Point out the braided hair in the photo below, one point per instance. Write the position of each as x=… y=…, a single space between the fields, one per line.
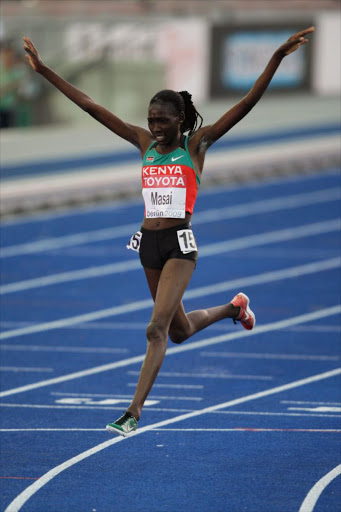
x=181 y=102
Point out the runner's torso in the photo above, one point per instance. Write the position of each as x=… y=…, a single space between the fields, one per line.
x=169 y=186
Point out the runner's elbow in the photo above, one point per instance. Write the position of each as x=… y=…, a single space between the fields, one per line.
x=88 y=105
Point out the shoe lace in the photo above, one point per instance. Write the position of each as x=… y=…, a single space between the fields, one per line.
x=126 y=416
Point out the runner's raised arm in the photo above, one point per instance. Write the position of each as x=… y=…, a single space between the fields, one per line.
x=209 y=134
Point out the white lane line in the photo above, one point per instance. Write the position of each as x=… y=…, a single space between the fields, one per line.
x=317 y=328
x=310 y=500
x=266 y=413
x=220 y=327
x=236 y=429
x=62 y=348
x=309 y=403
x=50 y=244
x=87 y=317
x=319 y=408
x=23 y=497
x=210 y=375
x=289 y=253
x=113 y=325
x=203 y=291
x=73 y=275
x=52 y=430
x=268 y=205
x=211 y=215
x=24 y=369
x=150 y=408
x=246 y=429
x=308 y=317
x=130 y=397
x=171 y=386
x=266 y=277
x=138 y=326
x=97 y=407
x=93 y=325
x=282 y=235
x=107 y=401
x=262 y=355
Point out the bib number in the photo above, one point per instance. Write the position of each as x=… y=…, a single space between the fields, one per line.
x=135 y=242
x=186 y=241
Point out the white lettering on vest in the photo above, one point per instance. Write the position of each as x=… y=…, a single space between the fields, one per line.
x=164 y=181
x=164 y=169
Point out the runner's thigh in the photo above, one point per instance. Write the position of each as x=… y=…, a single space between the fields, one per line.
x=174 y=279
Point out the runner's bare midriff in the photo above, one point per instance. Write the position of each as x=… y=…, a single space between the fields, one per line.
x=164 y=223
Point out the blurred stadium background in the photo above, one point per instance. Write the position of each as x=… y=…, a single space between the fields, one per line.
x=122 y=52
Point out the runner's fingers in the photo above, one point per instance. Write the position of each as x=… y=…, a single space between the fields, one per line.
x=297 y=40
x=29 y=45
x=302 y=33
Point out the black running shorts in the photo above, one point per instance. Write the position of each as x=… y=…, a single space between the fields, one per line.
x=158 y=246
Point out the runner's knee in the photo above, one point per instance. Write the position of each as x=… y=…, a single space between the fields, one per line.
x=156 y=331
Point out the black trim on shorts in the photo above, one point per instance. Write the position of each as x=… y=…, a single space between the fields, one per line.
x=159 y=246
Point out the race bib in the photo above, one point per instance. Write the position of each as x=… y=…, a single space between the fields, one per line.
x=186 y=241
x=135 y=242
x=164 y=191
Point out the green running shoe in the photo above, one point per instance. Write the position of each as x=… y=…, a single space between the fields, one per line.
x=124 y=426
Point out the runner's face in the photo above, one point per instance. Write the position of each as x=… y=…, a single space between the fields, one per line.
x=163 y=123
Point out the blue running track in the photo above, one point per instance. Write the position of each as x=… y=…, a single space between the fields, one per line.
x=237 y=421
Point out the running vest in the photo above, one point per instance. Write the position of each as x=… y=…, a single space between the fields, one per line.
x=169 y=182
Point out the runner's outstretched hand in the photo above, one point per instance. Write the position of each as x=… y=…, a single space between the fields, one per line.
x=32 y=55
x=294 y=42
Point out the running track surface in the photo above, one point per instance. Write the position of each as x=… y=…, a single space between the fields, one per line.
x=236 y=421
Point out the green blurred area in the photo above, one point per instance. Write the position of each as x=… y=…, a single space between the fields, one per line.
x=65 y=30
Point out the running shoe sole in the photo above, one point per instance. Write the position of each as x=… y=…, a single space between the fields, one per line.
x=114 y=430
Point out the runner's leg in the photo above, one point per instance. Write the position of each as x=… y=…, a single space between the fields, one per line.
x=168 y=288
x=184 y=325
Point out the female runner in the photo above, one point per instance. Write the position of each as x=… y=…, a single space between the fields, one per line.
x=171 y=172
